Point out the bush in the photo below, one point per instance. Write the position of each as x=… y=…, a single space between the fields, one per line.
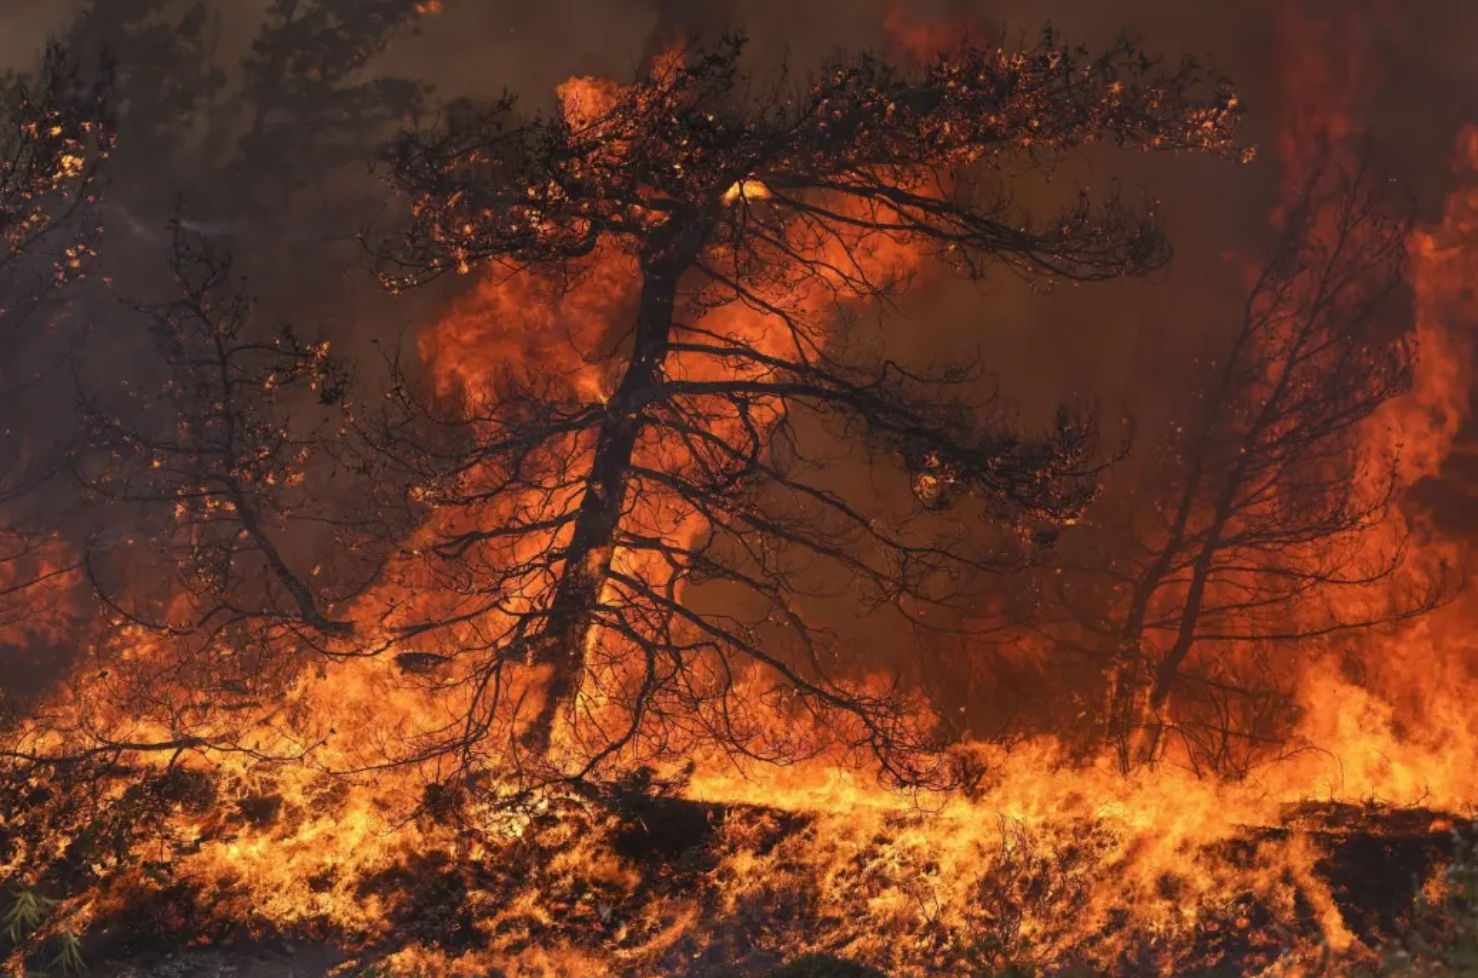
x=1442 y=936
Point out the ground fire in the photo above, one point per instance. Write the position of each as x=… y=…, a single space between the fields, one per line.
x=782 y=508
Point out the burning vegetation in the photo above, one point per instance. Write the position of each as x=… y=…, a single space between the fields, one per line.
x=632 y=618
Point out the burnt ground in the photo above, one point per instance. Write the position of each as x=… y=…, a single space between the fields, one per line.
x=1375 y=861
x=274 y=959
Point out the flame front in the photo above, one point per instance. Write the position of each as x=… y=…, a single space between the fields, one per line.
x=308 y=811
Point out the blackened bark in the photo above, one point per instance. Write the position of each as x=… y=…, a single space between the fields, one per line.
x=569 y=624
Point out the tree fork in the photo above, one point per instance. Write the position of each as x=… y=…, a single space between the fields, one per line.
x=569 y=626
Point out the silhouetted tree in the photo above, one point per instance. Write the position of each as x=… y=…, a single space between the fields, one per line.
x=1274 y=526
x=584 y=524
x=55 y=133
x=234 y=551
x=311 y=102
x=240 y=140
x=232 y=525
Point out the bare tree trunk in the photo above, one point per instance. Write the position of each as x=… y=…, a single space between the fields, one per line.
x=1168 y=669
x=1129 y=708
x=1211 y=542
x=562 y=642
x=1135 y=710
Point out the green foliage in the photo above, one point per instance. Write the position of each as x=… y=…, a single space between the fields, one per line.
x=68 y=960
x=28 y=910
x=27 y=914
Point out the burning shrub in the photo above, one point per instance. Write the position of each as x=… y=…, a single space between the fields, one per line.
x=1442 y=936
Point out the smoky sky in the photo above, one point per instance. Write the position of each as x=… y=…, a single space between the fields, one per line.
x=277 y=170
x=1422 y=85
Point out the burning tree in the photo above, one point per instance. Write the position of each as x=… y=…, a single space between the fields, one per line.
x=1276 y=526
x=583 y=520
x=54 y=135
x=216 y=476
x=216 y=546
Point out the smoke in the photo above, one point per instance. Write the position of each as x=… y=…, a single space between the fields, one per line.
x=220 y=126
x=483 y=48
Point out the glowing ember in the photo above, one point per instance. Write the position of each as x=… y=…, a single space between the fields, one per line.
x=746 y=190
